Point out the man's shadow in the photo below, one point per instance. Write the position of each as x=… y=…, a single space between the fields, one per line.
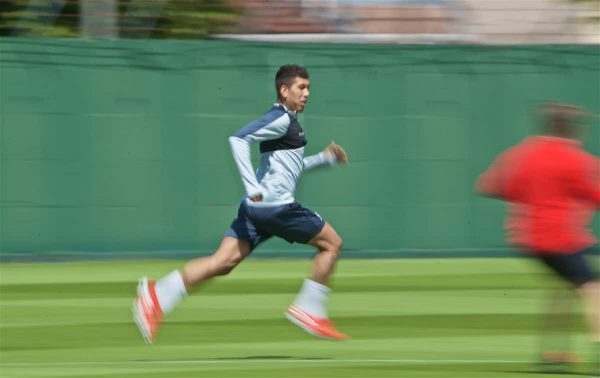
x=272 y=358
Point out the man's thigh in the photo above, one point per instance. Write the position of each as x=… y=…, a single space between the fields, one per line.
x=244 y=228
x=291 y=222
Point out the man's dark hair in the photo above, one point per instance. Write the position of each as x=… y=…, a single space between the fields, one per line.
x=287 y=74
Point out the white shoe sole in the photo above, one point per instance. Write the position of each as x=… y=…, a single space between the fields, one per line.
x=303 y=326
x=138 y=311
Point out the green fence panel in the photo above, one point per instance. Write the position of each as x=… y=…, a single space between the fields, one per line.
x=119 y=148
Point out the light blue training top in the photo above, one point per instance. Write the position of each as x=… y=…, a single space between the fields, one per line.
x=282 y=158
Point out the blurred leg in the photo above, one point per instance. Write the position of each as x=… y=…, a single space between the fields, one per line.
x=557 y=326
x=591 y=296
x=590 y=293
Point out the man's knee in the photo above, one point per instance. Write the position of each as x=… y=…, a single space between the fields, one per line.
x=334 y=244
x=224 y=266
x=327 y=241
x=337 y=243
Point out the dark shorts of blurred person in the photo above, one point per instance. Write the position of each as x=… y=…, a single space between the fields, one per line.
x=572 y=267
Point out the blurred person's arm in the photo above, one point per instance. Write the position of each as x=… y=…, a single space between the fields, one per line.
x=490 y=183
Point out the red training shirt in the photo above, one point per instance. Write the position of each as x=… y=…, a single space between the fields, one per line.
x=553 y=188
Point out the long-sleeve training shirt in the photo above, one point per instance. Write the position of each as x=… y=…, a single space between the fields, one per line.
x=282 y=158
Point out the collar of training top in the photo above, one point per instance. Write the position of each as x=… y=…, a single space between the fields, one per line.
x=290 y=112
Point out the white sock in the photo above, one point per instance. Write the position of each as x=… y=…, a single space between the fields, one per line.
x=313 y=298
x=170 y=290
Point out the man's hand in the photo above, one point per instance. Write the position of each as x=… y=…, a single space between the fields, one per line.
x=338 y=152
x=256 y=198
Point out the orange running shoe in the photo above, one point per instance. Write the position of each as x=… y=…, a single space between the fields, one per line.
x=147 y=313
x=320 y=327
x=561 y=357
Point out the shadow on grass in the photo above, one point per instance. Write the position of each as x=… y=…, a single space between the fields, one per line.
x=553 y=373
x=254 y=358
x=272 y=358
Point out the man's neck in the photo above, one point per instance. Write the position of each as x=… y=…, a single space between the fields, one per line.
x=561 y=138
x=285 y=107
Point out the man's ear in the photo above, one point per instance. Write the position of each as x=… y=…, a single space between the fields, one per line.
x=283 y=91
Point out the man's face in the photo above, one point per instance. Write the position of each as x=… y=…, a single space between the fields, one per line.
x=296 y=96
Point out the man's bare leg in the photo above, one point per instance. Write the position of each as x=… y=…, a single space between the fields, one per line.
x=155 y=299
x=309 y=310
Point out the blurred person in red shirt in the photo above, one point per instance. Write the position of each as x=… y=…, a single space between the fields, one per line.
x=552 y=187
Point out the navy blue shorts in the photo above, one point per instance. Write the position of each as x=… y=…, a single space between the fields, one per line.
x=572 y=267
x=291 y=222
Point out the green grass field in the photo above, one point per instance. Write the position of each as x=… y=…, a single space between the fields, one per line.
x=455 y=318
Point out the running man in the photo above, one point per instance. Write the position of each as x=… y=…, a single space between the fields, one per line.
x=553 y=187
x=268 y=209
